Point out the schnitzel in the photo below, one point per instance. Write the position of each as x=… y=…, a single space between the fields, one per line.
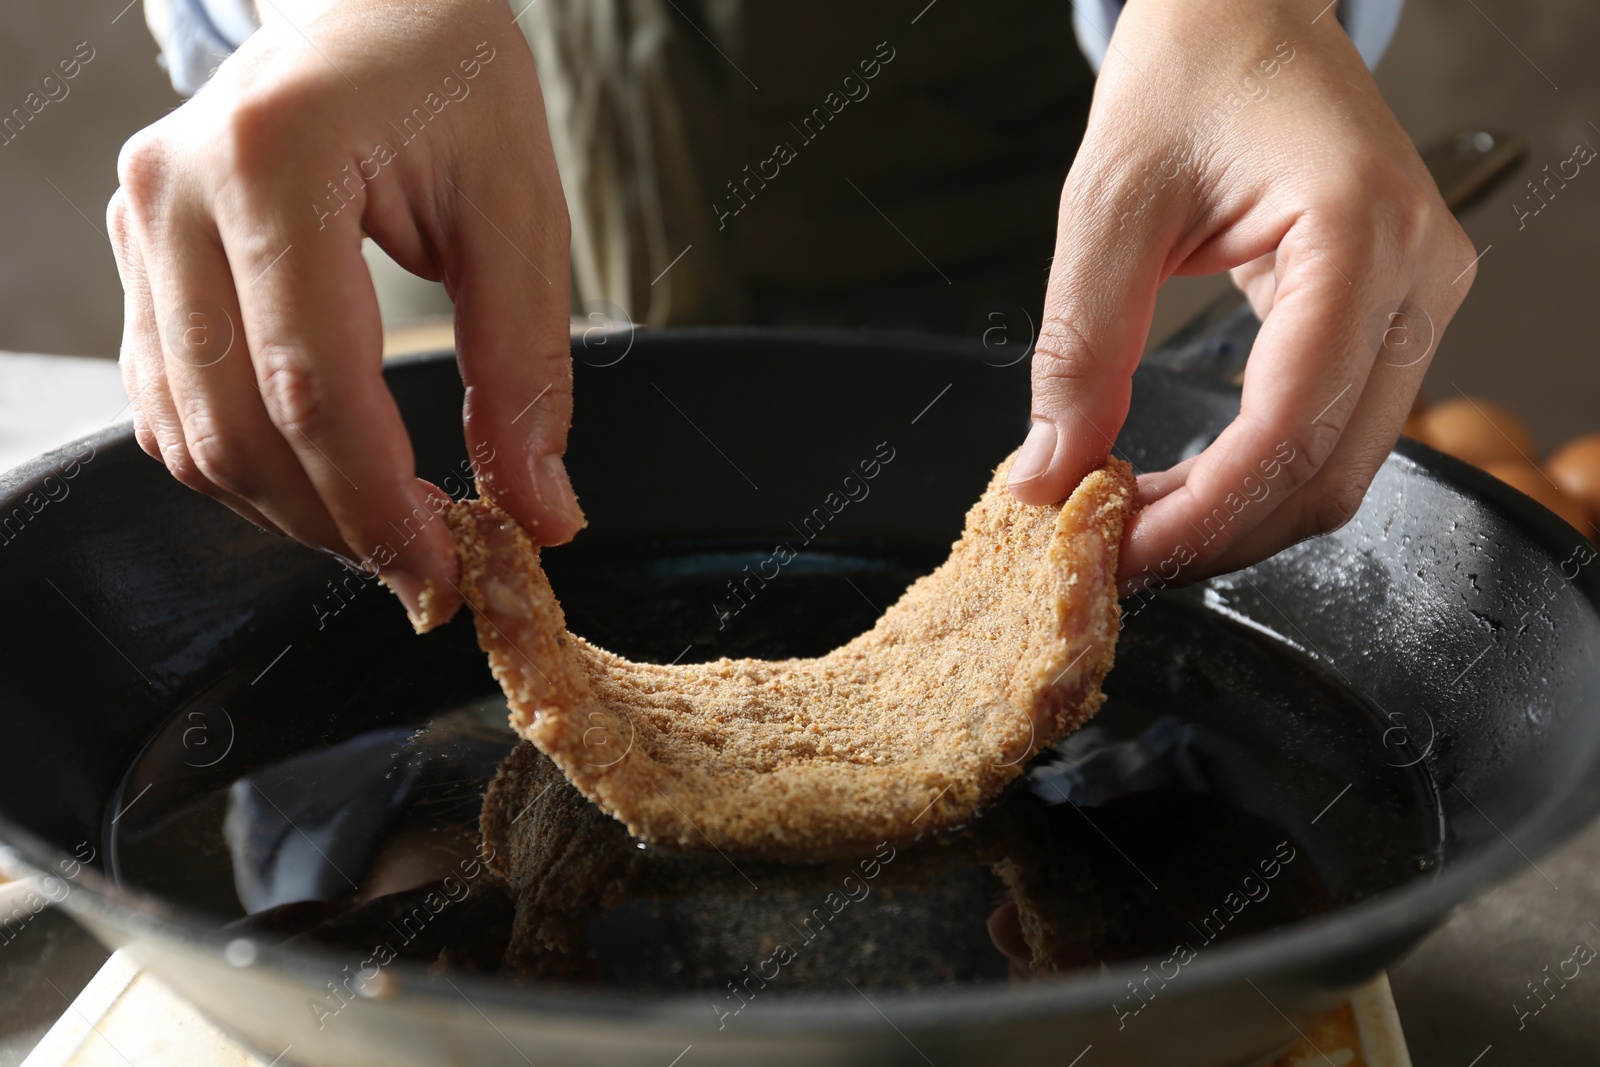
x=903 y=731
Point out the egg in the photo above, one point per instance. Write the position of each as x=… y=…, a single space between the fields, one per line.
x=1524 y=476
x=1575 y=468
x=1478 y=431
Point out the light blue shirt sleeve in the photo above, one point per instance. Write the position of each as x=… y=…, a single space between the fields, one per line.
x=205 y=32
x=1370 y=24
x=201 y=34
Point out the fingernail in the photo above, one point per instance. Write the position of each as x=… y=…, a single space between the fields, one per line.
x=421 y=599
x=434 y=497
x=555 y=490
x=1033 y=459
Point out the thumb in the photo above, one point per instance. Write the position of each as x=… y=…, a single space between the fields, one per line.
x=1097 y=311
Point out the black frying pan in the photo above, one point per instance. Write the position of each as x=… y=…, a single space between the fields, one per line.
x=1435 y=659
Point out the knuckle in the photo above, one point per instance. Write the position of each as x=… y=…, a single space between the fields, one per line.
x=554 y=366
x=175 y=454
x=1335 y=505
x=216 y=455
x=142 y=167
x=122 y=229
x=1308 y=451
x=1353 y=229
x=145 y=436
x=1416 y=227
x=1090 y=196
x=550 y=425
x=1117 y=178
x=118 y=226
x=557 y=399
x=1376 y=208
x=1062 y=354
x=1407 y=219
x=291 y=390
x=259 y=126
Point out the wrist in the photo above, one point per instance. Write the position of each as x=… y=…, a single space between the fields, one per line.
x=1369 y=25
x=298 y=15
x=292 y=13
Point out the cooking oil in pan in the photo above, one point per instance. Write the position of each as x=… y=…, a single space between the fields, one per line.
x=329 y=795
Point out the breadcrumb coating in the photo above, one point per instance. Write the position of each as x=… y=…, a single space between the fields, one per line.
x=906 y=730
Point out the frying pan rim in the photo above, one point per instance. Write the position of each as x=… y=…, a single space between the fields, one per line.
x=1404 y=912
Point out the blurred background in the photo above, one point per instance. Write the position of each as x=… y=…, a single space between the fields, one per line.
x=1524 y=338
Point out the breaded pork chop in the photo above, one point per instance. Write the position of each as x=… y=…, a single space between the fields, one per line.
x=907 y=729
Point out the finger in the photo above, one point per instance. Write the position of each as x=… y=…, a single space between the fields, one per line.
x=160 y=432
x=1098 y=306
x=226 y=429
x=1154 y=485
x=156 y=424
x=1257 y=280
x=141 y=358
x=137 y=322
x=1307 y=370
x=142 y=433
x=1336 y=492
x=165 y=425
x=1333 y=495
x=132 y=384
x=513 y=335
x=315 y=340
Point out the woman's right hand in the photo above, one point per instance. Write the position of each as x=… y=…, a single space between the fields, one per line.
x=252 y=344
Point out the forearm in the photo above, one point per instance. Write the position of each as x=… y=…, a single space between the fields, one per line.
x=195 y=36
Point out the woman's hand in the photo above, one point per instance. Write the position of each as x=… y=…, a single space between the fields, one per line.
x=252 y=342
x=1242 y=135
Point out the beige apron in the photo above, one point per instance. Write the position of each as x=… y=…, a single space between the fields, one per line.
x=826 y=161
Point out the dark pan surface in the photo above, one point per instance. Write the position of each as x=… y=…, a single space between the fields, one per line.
x=1214 y=757
x=1435 y=657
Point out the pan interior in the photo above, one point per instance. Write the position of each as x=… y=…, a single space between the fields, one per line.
x=328 y=793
